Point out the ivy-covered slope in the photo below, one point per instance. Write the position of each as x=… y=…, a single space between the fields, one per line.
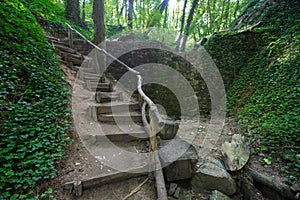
x=50 y=14
x=265 y=94
x=34 y=114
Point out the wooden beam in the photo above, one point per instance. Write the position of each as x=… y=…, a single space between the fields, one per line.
x=70 y=37
x=159 y=178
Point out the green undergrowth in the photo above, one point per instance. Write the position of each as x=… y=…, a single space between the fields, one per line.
x=264 y=95
x=51 y=16
x=34 y=113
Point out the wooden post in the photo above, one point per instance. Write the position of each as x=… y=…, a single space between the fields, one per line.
x=159 y=177
x=70 y=37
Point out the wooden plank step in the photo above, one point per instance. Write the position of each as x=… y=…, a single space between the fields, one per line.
x=103 y=97
x=93 y=76
x=96 y=86
x=103 y=179
x=69 y=55
x=107 y=108
x=122 y=118
x=120 y=162
x=115 y=137
x=88 y=70
x=52 y=38
x=65 y=49
x=59 y=42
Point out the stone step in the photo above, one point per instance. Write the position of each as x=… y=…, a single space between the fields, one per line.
x=98 y=86
x=115 y=137
x=122 y=118
x=103 y=97
x=116 y=107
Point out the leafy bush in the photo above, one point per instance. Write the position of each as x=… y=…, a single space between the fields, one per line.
x=33 y=105
x=265 y=95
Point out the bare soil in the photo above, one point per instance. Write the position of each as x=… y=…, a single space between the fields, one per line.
x=78 y=162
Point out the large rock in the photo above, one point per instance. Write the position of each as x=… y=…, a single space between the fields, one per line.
x=178 y=158
x=216 y=195
x=212 y=175
x=236 y=154
x=169 y=130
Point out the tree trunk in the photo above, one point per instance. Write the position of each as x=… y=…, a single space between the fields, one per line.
x=163 y=6
x=83 y=12
x=222 y=16
x=227 y=14
x=181 y=27
x=72 y=11
x=209 y=16
x=165 y=24
x=130 y=13
x=98 y=18
x=236 y=8
x=188 y=24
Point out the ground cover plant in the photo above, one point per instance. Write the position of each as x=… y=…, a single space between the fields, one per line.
x=33 y=105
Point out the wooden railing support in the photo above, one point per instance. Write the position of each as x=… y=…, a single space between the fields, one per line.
x=70 y=37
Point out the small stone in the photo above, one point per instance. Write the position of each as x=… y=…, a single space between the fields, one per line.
x=216 y=195
x=78 y=188
x=172 y=188
x=296 y=187
x=176 y=194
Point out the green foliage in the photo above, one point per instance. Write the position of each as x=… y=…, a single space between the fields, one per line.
x=265 y=95
x=231 y=51
x=33 y=105
x=51 y=16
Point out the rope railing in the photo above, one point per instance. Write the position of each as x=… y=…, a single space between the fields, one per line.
x=151 y=127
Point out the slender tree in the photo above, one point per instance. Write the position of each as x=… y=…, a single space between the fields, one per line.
x=72 y=11
x=130 y=13
x=209 y=15
x=157 y=13
x=98 y=18
x=236 y=8
x=188 y=24
x=118 y=11
x=83 y=12
x=222 y=16
x=227 y=14
x=181 y=26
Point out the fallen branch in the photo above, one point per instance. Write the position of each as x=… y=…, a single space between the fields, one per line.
x=272 y=182
x=285 y=147
x=251 y=27
x=138 y=188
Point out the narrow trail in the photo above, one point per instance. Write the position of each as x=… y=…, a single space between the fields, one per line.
x=117 y=160
x=109 y=123
x=110 y=126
